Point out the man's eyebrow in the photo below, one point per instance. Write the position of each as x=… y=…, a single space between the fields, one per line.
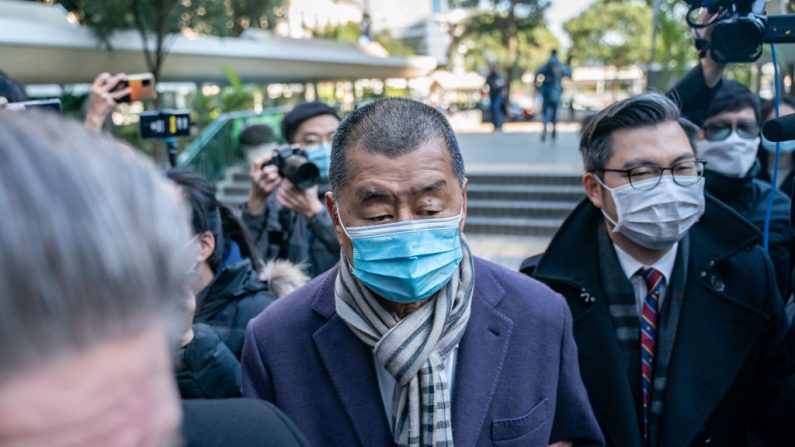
x=429 y=188
x=368 y=194
x=643 y=162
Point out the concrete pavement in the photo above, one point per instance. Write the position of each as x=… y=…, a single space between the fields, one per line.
x=515 y=150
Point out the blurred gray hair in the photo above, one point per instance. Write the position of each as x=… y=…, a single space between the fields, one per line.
x=647 y=110
x=92 y=243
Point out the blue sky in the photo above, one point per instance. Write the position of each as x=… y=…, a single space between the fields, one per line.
x=561 y=10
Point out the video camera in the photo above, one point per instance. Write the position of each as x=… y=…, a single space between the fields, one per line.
x=294 y=166
x=740 y=29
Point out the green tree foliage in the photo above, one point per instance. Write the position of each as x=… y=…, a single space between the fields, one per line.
x=155 y=20
x=533 y=48
x=612 y=33
x=675 y=51
x=507 y=28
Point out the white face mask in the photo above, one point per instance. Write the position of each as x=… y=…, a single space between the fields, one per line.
x=732 y=157
x=658 y=218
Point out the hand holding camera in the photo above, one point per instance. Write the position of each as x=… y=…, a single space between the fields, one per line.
x=302 y=201
x=713 y=71
x=103 y=99
x=290 y=169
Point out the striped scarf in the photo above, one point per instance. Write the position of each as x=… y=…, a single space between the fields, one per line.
x=413 y=349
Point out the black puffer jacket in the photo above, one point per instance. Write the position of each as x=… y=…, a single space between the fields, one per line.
x=206 y=368
x=749 y=197
x=234 y=297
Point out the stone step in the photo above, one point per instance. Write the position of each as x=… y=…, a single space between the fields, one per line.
x=554 y=193
x=512 y=226
x=520 y=208
x=530 y=178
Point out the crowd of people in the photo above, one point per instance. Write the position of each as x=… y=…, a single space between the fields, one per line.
x=137 y=309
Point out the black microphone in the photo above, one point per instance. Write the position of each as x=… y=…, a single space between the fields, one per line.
x=780 y=129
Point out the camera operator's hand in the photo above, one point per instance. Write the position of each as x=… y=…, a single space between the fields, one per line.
x=303 y=202
x=713 y=71
x=264 y=179
x=102 y=99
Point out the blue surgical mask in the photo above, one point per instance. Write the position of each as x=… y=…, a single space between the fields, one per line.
x=406 y=262
x=786 y=146
x=320 y=155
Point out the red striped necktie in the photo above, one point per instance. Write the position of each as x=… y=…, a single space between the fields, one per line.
x=648 y=340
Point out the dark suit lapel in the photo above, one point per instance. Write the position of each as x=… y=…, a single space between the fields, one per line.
x=715 y=335
x=349 y=364
x=480 y=358
x=602 y=372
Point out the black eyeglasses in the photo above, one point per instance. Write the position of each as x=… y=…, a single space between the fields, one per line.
x=647 y=177
x=718 y=132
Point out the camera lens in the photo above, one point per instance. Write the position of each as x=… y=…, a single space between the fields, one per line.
x=301 y=172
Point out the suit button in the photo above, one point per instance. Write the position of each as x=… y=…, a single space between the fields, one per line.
x=717 y=283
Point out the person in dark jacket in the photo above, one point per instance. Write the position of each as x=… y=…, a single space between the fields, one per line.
x=229 y=293
x=206 y=368
x=548 y=81
x=728 y=141
x=497 y=100
x=679 y=326
x=237 y=423
x=286 y=222
x=767 y=153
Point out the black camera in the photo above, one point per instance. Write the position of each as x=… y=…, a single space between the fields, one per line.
x=294 y=166
x=741 y=29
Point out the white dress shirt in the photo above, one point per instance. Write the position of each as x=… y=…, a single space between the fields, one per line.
x=631 y=267
x=387 y=383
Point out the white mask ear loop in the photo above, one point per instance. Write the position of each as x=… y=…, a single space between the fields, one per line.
x=337 y=210
x=604 y=213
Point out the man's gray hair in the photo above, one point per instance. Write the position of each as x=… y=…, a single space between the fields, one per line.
x=391 y=127
x=647 y=110
x=92 y=241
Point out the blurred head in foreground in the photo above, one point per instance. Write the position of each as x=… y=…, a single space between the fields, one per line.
x=92 y=277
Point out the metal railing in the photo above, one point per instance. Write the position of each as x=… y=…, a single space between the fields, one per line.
x=217 y=147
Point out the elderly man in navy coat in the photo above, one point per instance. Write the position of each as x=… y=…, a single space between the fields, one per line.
x=411 y=340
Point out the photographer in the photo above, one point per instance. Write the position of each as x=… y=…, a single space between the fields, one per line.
x=285 y=221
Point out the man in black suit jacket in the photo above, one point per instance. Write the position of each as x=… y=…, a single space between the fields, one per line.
x=677 y=318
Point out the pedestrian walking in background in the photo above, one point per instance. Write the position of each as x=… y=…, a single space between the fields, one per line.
x=548 y=82
x=497 y=105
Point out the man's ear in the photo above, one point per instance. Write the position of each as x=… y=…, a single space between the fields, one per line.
x=593 y=189
x=463 y=206
x=331 y=207
x=206 y=246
